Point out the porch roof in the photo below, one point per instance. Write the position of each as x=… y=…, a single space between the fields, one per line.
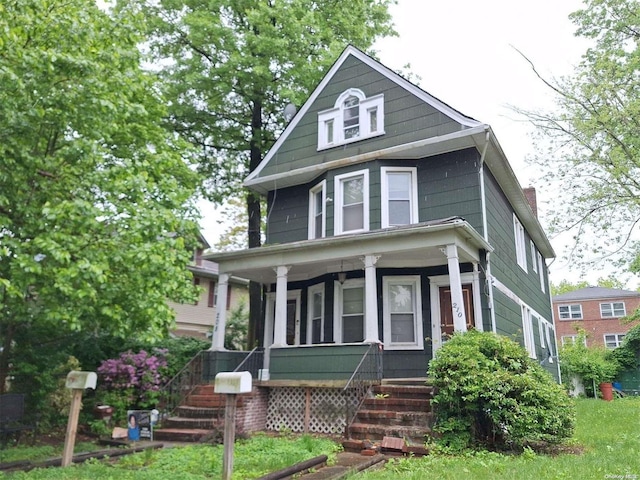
x=418 y=245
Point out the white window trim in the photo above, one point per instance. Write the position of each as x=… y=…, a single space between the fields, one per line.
x=338 y=204
x=541 y=273
x=534 y=258
x=418 y=344
x=313 y=289
x=335 y=115
x=413 y=194
x=617 y=339
x=337 y=305
x=270 y=319
x=321 y=187
x=521 y=249
x=613 y=311
x=571 y=318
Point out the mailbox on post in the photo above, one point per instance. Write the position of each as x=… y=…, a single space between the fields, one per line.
x=233 y=382
x=81 y=380
x=77 y=382
x=230 y=384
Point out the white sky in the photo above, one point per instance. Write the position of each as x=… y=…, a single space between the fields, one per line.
x=464 y=52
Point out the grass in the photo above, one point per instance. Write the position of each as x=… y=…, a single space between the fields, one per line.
x=37 y=453
x=607 y=434
x=253 y=458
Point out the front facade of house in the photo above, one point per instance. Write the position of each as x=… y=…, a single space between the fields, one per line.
x=596 y=310
x=393 y=220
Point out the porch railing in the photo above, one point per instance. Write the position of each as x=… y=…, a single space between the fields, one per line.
x=182 y=384
x=367 y=373
x=252 y=362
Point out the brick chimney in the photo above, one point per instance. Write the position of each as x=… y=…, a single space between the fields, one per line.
x=530 y=195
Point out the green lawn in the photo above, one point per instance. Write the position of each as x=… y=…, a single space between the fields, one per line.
x=609 y=433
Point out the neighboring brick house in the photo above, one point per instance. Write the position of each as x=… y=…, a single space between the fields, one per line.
x=197 y=319
x=598 y=311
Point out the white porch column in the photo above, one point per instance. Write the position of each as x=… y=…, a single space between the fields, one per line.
x=371 y=300
x=457 y=301
x=217 y=340
x=280 y=320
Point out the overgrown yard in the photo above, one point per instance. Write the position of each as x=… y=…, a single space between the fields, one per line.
x=605 y=446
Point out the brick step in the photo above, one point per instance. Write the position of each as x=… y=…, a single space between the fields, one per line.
x=412 y=434
x=388 y=417
x=397 y=404
x=192 y=423
x=185 y=435
x=205 y=389
x=405 y=391
x=189 y=411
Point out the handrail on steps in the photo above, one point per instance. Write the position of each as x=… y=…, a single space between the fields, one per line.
x=367 y=373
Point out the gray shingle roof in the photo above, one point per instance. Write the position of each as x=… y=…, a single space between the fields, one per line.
x=594 y=293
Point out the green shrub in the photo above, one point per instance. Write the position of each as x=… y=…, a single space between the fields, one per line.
x=490 y=393
x=592 y=365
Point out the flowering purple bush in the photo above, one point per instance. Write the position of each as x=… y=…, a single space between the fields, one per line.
x=137 y=377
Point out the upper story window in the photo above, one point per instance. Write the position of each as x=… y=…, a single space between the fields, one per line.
x=353 y=117
x=612 y=310
x=534 y=259
x=399 y=196
x=352 y=202
x=570 y=312
x=317 y=210
x=541 y=272
x=521 y=248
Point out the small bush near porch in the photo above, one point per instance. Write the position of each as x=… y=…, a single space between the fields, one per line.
x=491 y=394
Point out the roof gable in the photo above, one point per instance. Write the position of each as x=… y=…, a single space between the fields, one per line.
x=353 y=69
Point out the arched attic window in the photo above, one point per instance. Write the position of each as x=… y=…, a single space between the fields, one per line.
x=353 y=117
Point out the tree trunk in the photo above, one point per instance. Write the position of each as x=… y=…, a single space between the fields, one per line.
x=254 y=226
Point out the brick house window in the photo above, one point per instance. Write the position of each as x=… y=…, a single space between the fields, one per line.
x=570 y=312
x=613 y=340
x=612 y=310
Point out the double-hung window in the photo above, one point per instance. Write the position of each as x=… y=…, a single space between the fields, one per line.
x=316 y=314
x=353 y=117
x=527 y=331
x=612 y=310
x=402 y=312
x=317 y=210
x=570 y=312
x=349 y=308
x=613 y=340
x=399 y=196
x=352 y=203
x=521 y=249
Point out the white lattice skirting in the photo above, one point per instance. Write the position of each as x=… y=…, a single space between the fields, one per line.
x=317 y=410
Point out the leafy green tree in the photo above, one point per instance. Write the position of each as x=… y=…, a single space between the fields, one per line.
x=96 y=221
x=590 y=145
x=230 y=67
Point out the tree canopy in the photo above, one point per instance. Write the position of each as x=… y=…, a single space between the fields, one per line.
x=96 y=220
x=591 y=159
x=229 y=68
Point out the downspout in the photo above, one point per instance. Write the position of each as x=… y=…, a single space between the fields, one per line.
x=485 y=233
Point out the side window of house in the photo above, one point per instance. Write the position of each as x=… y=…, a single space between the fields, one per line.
x=570 y=312
x=571 y=340
x=527 y=331
x=352 y=203
x=521 y=248
x=399 y=196
x=534 y=259
x=613 y=340
x=402 y=312
x=612 y=310
x=353 y=117
x=315 y=327
x=317 y=210
x=541 y=273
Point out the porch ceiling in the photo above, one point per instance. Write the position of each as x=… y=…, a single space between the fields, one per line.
x=412 y=246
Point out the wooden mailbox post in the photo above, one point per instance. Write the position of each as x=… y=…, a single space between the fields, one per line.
x=231 y=384
x=77 y=382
